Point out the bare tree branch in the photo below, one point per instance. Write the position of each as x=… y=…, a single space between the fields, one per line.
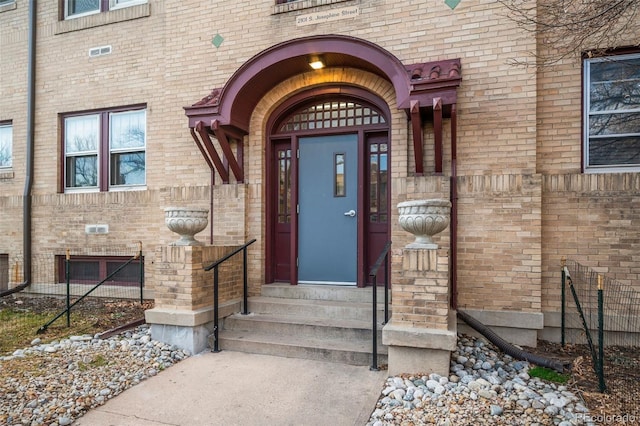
x=566 y=28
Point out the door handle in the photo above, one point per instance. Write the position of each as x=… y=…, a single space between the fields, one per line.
x=351 y=213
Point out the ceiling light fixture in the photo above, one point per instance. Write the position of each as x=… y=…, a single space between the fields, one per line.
x=316 y=62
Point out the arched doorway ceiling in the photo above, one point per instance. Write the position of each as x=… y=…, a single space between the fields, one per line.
x=225 y=113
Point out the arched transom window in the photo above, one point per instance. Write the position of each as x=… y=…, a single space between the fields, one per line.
x=331 y=114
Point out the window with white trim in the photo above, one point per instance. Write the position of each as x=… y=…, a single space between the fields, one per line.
x=78 y=8
x=612 y=113
x=6 y=145
x=105 y=150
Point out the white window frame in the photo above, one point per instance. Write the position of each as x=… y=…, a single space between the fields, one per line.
x=6 y=131
x=103 y=151
x=68 y=15
x=587 y=114
x=119 y=4
x=113 y=5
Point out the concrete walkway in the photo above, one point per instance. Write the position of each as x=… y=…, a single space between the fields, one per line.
x=234 y=388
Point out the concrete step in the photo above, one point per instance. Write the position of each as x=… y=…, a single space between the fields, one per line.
x=331 y=350
x=314 y=308
x=323 y=292
x=314 y=322
x=303 y=327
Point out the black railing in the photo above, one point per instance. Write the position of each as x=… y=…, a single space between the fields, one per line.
x=70 y=305
x=384 y=256
x=214 y=266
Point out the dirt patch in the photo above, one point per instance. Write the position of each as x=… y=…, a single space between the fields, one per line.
x=619 y=403
x=22 y=318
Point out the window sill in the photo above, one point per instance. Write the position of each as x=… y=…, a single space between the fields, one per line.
x=6 y=174
x=105 y=18
x=612 y=169
x=7 y=7
x=302 y=4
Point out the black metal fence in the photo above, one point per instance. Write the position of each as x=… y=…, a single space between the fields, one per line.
x=81 y=291
x=604 y=315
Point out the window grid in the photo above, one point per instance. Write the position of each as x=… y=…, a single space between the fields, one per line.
x=331 y=114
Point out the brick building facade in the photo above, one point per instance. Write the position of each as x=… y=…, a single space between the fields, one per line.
x=525 y=197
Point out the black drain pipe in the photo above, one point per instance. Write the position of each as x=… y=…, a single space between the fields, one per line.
x=508 y=348
x=28 y=184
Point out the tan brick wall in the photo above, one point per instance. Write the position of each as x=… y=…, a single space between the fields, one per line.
x=594 y=220
x=420 y=295
x=181 y=282
x=499 y=242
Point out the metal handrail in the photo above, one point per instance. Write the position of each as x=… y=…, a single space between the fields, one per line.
x=214 y=266
x=384 y=255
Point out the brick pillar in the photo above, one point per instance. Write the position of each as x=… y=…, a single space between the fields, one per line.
x=183 y=311
x=422 y=330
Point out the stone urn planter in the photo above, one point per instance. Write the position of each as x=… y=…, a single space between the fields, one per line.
x=187 y=222
x=424 y=219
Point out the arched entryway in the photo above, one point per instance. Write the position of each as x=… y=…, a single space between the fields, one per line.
x=327 y=213
x=220 y=125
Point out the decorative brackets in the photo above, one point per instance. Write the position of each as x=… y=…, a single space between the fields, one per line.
x=209 y=152
x=418 y=142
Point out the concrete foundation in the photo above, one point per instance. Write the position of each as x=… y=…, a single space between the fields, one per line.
x=188 y=330
x=419 y=350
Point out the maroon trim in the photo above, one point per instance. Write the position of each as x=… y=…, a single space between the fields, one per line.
x=213 y=154
x=316 y=95
x=418 y=142
x=226 y=149
x=454 y=209
x=361 y=278
x=104 y=160
x=437 y=133
x=294 y=210
x=283 y=111
x=265 y=70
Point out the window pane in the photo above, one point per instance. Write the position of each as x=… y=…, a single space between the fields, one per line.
x=76 y=7
x=339 y=184
x=82 y=171
x=128 y=168
x=614 y=124
x=129 y=274
x=608 y=96
x=127 y=129
x=6 y=145
x=284 y=186
x=614 y=151
x=81 y=134
x=84 y=271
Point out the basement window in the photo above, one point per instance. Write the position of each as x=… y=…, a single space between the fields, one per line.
x=94 y=269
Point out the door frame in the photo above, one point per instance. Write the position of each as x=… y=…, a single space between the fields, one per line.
x=295 y=102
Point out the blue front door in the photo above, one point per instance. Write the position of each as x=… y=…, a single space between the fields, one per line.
x=328 y=220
